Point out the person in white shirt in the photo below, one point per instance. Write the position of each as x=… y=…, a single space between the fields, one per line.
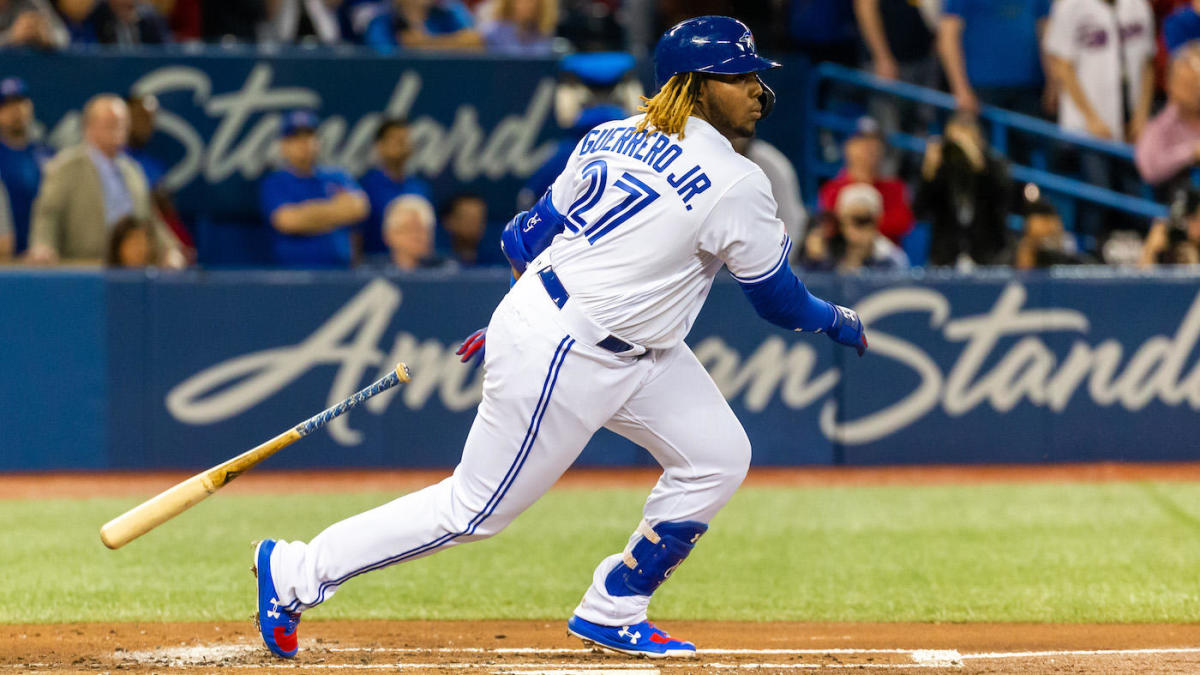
x=301 y=21
x=1101 y=52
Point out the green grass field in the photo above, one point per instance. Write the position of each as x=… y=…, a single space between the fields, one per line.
x=1117 y=552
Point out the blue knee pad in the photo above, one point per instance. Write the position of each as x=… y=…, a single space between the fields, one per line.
x=653 y=557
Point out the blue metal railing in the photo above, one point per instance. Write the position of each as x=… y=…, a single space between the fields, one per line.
x=1001 y=123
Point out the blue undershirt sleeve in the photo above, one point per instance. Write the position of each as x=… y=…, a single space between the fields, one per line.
x=783 y=300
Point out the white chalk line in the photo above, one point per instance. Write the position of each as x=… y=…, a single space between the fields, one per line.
x=1083 y=652
x=199 y=655
x=204 y=655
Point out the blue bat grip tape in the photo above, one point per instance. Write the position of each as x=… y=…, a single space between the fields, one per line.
x=322 y=418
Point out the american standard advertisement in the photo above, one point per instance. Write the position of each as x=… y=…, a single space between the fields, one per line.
x=960 y=370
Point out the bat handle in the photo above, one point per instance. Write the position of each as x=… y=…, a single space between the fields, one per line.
x=399 y=374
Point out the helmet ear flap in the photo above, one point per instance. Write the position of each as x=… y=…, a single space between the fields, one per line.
x=766 y=99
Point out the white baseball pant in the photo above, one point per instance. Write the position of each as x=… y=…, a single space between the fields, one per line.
x=544 y=394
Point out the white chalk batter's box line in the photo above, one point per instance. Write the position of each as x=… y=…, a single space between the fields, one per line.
x=920 y=658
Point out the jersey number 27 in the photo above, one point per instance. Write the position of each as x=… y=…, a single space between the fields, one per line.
x=638 y=196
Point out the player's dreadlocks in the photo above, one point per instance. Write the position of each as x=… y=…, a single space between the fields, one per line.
x=670 y=108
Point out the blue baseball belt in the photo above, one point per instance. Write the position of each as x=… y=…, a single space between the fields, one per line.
x=581 y=326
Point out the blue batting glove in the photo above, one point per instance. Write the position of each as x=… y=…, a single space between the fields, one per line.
x=847 y=329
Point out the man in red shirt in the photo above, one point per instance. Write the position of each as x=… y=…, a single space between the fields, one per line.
x=864 y=156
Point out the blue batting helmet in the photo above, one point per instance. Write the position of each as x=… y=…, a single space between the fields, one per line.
x=707 y=44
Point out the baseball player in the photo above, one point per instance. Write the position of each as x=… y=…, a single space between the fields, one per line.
x=613 y=265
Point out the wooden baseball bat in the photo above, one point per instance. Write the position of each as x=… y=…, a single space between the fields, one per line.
x=175 y=500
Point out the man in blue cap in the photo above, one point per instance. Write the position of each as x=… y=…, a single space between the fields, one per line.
x=388 y=180
x=615 y=261
x=311 y=209
x=593 y=88
x=21 y=158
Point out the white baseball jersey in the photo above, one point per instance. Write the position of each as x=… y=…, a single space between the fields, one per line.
x=650 y=220
x=1095 y=36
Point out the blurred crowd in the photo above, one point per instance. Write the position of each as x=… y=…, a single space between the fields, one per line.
x=103 y=200
x=1119 y=71
x=1108 y=72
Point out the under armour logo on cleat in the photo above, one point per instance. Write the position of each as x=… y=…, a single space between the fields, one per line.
x=633 y=637
x=274 y=606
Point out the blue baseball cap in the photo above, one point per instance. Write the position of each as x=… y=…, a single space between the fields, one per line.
x=598 y=69
x=297 y=121
x=13 y=89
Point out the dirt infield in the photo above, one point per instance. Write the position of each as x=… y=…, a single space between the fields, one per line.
x=544 y=647
x=131 y=484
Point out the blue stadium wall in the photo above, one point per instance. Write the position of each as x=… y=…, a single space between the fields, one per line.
x=133 y=370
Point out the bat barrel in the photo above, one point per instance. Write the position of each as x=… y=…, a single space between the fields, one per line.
x=151 y=513
x=177 y=499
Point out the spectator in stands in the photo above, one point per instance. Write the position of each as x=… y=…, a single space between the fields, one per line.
x=592 y=89
x=522 y=28
x=310 y=208
x=1101 y=53
x=143 y=111
x=1176 y=240
x=990 y=51
x=127 y=23
x=1170 y=146
x=901 y=48
x=864 y=157
x=850 y=240
x=388 y=180
x=21 y=158
x=301 y=22
x=785 y=185
x=1043 y=242
x=465 y=220
x=232 y=20
x=898 y=39
x=964 y=191
x=88 y=188
x=184 y=18
x=423 y=24
x=129 y=245
x=1162 y=9
x=1182 y=26
x=408 y=229
x=31 y=23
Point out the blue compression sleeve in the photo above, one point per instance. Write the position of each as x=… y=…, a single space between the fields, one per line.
x=783 y=300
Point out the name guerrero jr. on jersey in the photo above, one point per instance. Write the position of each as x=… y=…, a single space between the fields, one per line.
x=655 y=150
